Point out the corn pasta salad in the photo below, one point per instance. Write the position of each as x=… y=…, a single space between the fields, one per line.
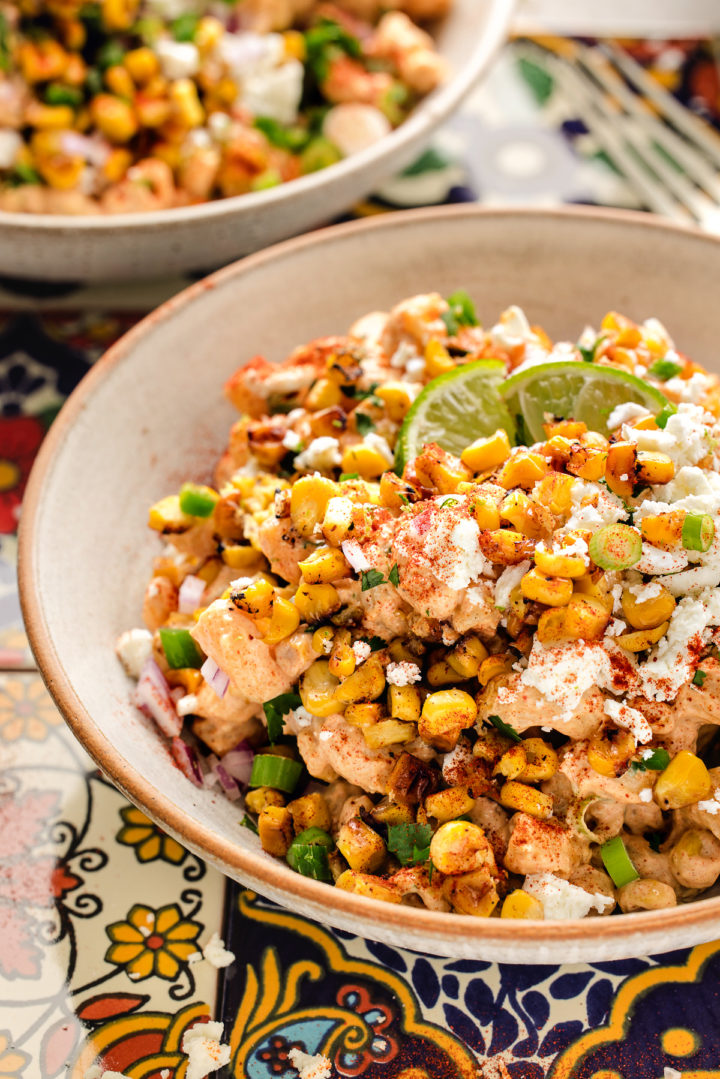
x=124 y=106
x=448 y=616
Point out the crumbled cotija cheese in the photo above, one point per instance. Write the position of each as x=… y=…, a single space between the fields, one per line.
x=564 y=673
x=403 y=673
x=513 y=329
x=625 y=413
x=134 y=648
x=593 y=507
x=686 y=437
x=361 y=650
x=630 y=719
x=204 y=1049
x=644 y=592
x=310 y=1067
x=323 y=454
x=216 y=953
x=508 y=580
x=711 y=805
x=645 y=795
x=561 y=899
x=672 y=662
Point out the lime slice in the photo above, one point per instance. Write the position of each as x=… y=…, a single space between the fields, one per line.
x=573 y=389
x=455 y=409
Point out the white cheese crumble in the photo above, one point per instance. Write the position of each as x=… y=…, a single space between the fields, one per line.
x=513 y=329
x=564 y=673
x=672 y=662
x=216 y=953
x=696 y=490
x=625 y=413
x=186 y=705
x=355 y=555
x=362 y=650
x=645 y=795
x=204 y=1049
x=691 y=389
x=470 y=562
x=593 y=507
x=671 y=1073
x=310 y=1067
x=653 y=560
x=275 y=93
x=322 y=455
x=561 y=900
x=178 y=59
x=645 y=592
x=10 y=146
x=630 y=719
x=711 y=805
x=380 y=444
x=685 y=439
x=96 y=1072
x=403 y=673
x=292 y=441
x=134 y=648
x=299 y=719
x=403 y=354
x=507 y=582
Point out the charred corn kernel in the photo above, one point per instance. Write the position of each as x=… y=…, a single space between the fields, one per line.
x=322 y=640
x=595 y=586
x=552 y=591
x=316 y=601
x=437 y=359
x=449 y=804
x=397 y=398
x=485 y=512
x=364 y=713
x=255 y=599
x=317 y=690
x=541 y=761
x=519 y=510
x=587 y=462
x=472 y=893
x=647 y=423
x=49 y=117
x=324 y=565
x=342 y=660
x=615 y=322
x=641 y=639
x=608 y=757
x=116 y=165
x=42 y=61
x=685 y=781
x=324 y=394
x=187 y=677
x=294 y=43
x=366 y=460
x=436 y=468
x=460 y=847
x=492 y=667
x=369 y=886
x=142 y=65
x=486 y=454
x=74 y=34
x=61 y=173
x=620 y=469
x=366 y=684
x=309 y=500
x=154 y=112
x=361 y=847
x=395 y=492
x=520 y=904
x=118 y=81
x=337 y=519
x=583 y=619
x=565 y=429
x=558 y=447
x=654 y=467
x=663 y=530
x=166 y=516
x=75 y=73
x=491 y=745
x=275 y=828
x=557 y=564
x=209 y=33
x=118 y=14
x=467 y=655
x=310 y=811
x=387 y=812
x=523 y=469
x=512 y=762
x=441 y=673
x=404 y=703
x=240 y=556
x=594 y=438
x=113 y=117
x=256 y=800
x=526 y=800
x=649 y=613
x=554 y=492
x=284 y=620
x=389 y=732
x=444 y=715
x=506 y=547
x=399 y=652
x=186 y=103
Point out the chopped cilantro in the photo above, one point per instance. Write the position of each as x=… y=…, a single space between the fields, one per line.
x=699 y=677
x=394 y=575
x=376 y=643
x=665 y=369
x=249 y=823
x=450 y=502
x=362 y=395
x=5 y=56
x=275 y=710
x=658 y=761
x=371 y=578
x=363 y=423
x=291 y=138
x=410 y=843
x=404 y=499
x=664 y=415
x=349 y=476
x=325 y=42
x=505 y=728
x=185 y=26
x=588 y=354
x=461 y=313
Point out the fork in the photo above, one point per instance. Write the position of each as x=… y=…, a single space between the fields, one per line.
x=668 y=154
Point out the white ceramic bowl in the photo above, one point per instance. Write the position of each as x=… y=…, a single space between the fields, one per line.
x=151 y=413
x=201 y=238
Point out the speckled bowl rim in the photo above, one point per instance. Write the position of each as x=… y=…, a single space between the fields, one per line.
x=246 y=863
x=427 y=115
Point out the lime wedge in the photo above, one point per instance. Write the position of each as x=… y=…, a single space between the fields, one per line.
x=455 y=409
x=573 y=389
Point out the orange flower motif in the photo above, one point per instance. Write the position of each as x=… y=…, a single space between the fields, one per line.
x=152 y=942
x=26 y=709
x=12 y=1061
x=149 y=841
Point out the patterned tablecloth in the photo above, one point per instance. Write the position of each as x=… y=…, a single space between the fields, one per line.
x=99 y=910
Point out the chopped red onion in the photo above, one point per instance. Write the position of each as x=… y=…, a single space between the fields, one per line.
x=190 y=594
x=187 y=761
x=227 y=783
x=215 y=676
x=211 y=776
x=152 y=697
x=355 y=556
x=238 y=763
x=90 y=149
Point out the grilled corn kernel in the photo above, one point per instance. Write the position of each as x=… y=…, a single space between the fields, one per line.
x=558 y=448
x=647 y=423
x=552 y=591
x=337 y=520
x=650 y=612
x=387 y=812
x=142 y=65
x=523 y=469
x=466 y=656
x=389 y=732
x=256 y=800
x=309 y=501
x=364 y=713
x=317 y=690
x=435 y=468
x=512 y=762
x=166 y=516
x=449 y=804
x=437 y=359
x=520 y=511
x=685 y=781
x=397 y=400
x=565 y=428
x=404 y=703
x=366 y=684
x=520 y=904
x=541 y=761
x=322 y=640
x=186 y=104
x=310 y=811
x=491 y=745
x=641 y=638
x=608 y=756
x=369 y=886
x=583 y=619
x=595 y=586
x=485 y=511
x=557 y=564
x=324 y=565
x=460 y=847
x=506 y=547
x=587 y=462
x=526 y=800
x=284 y=620
x=654 y=467
x=118 y=81
x=239 y=556
x=361 y=847
x=275 y=828
x=324 y=394
x=394 y=491
x=645 y=894
x=554 y=492
x=472 y=893
x=342 y=660
x=399 y=652
x=444 y=715
x=316 y=601
x=441 y=673
x=254 y=599
x=620 y=469
x=366 y=460
x=663 y=530
x=486 y=454
x=60 y=172
x=113 y=117
x=492 y=667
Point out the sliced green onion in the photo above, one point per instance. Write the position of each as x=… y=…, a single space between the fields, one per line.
x=197 y=500
x=308 y=854
x=281 y=773
x=185 y=26
x=580 y=817
x=616 y=546
x=699 y=677
x=665 y=369
x=461 y=313
x=657 y=761
x=617 y=862
x=664 y=415
x=180 y=649
x=698 y=531
x=57 y=94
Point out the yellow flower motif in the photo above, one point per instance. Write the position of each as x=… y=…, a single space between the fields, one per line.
x=149 y=841
x=26 y=709
x=152 y=942
x=12 y=1061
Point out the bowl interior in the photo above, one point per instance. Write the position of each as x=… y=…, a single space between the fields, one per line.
x=152 y=414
